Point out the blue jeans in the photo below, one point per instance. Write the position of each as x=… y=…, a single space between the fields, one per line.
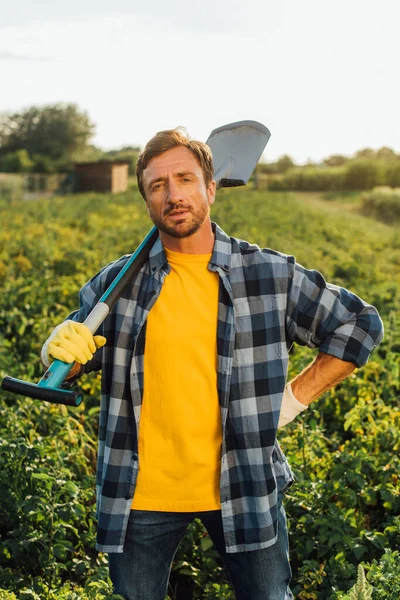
x=142 y=571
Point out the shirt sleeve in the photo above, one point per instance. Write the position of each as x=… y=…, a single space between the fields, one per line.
x=331 y=318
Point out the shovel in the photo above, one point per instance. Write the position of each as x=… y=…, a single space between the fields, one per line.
x=236 y=150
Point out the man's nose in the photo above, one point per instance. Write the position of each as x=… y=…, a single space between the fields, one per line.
x=174 y=191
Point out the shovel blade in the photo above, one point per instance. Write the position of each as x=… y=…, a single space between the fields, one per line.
x=236 y=150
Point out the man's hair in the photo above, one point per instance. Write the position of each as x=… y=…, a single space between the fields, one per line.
x=167 y=140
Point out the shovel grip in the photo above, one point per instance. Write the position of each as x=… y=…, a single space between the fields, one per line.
x=33 y=390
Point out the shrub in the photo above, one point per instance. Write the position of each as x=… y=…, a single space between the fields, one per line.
x=16 y=162
x=310 y=179
x=385 y=576
x=11 y=188
x=356 y=174
x=393 y=175
x=363 y=175
x=383 y=203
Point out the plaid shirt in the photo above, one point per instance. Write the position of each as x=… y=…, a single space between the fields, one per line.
x=266 y=302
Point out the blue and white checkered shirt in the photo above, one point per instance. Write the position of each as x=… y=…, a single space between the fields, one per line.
x=266 y=302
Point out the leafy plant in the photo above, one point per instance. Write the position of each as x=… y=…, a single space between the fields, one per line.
x=382 y=203
x=361 y=590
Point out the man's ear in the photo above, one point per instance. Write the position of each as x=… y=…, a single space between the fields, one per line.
x=211 y=191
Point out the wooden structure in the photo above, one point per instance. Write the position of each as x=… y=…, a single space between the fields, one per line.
x=101 y=176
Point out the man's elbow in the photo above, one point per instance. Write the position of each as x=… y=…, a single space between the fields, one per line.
x=372 y=324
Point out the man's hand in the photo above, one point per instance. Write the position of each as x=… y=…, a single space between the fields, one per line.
x=71 y=342
x=321 y=375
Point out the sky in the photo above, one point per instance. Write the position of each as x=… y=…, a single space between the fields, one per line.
x=322 y=75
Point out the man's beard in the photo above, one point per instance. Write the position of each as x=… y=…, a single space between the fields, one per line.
x=193 y=222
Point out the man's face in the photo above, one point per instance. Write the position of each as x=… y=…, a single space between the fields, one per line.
x=177 y=198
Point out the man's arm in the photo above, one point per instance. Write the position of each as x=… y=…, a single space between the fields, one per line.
x=331 y=318
x=343 y=327
x=323 y=373
x=88 y=297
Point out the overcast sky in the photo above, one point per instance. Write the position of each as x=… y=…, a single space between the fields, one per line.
x=322 y=75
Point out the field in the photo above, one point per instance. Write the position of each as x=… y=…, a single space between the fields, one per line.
x=344 y=508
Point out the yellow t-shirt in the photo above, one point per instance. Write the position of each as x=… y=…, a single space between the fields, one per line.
x=180 y=433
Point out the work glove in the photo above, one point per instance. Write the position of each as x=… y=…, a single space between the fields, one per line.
x=71 y=342
x=291 y=407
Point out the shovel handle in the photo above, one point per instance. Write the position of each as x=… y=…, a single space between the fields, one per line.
x=32 y=390
x=59 y=370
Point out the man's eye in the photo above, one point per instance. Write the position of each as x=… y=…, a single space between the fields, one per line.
x=156 y=186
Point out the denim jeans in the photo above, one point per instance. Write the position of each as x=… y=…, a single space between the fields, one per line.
x=142 y=571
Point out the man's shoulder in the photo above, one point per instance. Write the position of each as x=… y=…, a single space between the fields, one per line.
x=111 y=270
x=103 y=278
x=251 y=252
x=247 y=252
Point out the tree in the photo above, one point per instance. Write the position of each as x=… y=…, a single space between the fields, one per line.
x=386 y=153
x=365 y=153
x=284 y=163
x=128 y=153
x=16 y=162
x=56 y=131
x=266 y=168
x=336 y=160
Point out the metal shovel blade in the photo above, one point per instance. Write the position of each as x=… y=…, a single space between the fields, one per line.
x=236 y=149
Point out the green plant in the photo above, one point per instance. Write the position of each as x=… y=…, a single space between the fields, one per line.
x=4 y=595
x=11 y=189
x=361 y=589
x=383 y=204
x=384 y=575
x=16 y=162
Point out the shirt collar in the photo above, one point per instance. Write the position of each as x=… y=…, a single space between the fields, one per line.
x=221 y=255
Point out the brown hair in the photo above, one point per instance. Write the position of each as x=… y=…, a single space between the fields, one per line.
x=167 y=140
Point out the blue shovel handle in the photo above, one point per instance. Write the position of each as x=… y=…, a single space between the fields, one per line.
x=59 y=370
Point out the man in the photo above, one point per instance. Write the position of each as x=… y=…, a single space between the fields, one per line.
x=196 y=350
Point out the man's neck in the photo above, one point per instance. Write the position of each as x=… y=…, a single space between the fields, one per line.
x=201 y=242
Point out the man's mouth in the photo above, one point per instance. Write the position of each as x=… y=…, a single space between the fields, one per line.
x=176 y=214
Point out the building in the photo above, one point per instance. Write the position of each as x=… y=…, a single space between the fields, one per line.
x=101 y=176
